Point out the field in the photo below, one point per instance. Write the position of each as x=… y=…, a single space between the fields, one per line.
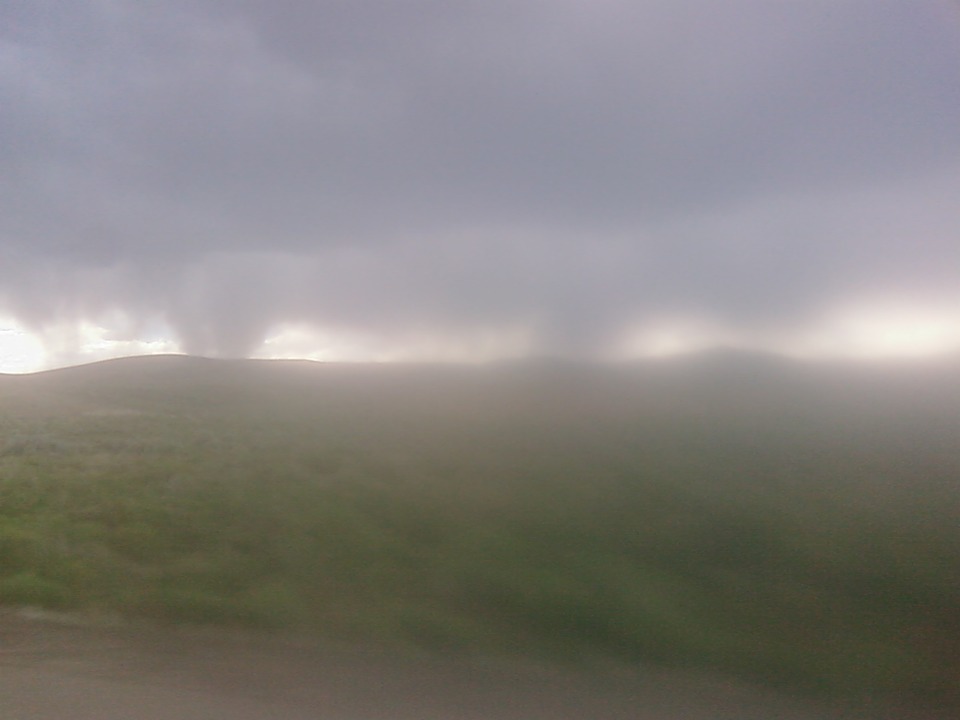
x=790 y=524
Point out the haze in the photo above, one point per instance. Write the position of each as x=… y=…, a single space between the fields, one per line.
x=478 y=180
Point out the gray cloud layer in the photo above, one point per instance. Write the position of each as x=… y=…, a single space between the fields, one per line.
x=385 y=166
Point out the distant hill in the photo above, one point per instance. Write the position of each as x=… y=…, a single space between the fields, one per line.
x=709 y=377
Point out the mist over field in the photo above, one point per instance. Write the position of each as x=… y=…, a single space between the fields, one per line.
x=791 y=524
x=604 y=334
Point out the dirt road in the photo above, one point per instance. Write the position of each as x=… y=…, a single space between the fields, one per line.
x=52 y=670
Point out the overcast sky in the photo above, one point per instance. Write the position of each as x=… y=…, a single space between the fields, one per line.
x=477 y=178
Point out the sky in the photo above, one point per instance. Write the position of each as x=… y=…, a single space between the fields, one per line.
x=474 y=180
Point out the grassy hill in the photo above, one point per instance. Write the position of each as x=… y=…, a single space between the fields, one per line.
x=784 y=522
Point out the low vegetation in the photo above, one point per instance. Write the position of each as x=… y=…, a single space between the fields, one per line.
x=789 y=524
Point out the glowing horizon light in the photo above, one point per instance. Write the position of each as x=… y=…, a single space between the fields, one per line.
x=665 y=339
x=96 y=343
x=296 y=341
x=307 y=342
x=21 y=351
x=865 y=332
x=24 y=351
x=881 y=331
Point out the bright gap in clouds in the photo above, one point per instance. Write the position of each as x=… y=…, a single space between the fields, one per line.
x=20 y=350
x=880 y=330
x=294 y=340
x=877 y=330
x=64 y=344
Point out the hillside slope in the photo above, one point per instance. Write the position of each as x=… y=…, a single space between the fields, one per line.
x=788 y=523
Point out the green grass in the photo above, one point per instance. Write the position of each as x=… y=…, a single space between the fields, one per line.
x=790 y=528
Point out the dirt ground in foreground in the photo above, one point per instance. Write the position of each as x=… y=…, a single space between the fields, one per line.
x=53 y=668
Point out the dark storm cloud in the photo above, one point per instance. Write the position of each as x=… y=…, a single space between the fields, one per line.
x=574 y=166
